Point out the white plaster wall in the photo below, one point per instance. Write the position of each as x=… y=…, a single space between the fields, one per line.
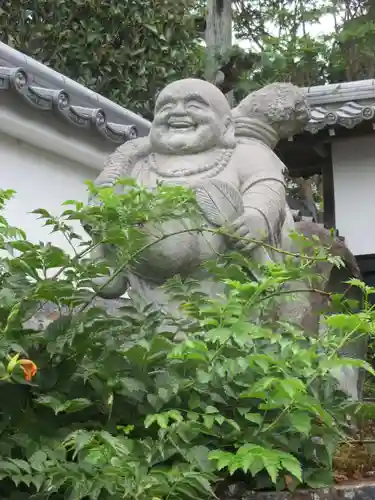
x=354 y=187
x=41 y=179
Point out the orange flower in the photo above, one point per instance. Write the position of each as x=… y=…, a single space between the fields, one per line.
x=29 y=368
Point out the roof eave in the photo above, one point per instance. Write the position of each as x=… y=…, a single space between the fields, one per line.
x=47 y=89
x=340 y=92
x=345 y=105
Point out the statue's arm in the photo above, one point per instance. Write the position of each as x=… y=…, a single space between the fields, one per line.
x=263 y=192
x=121 y=162
x=118 y=165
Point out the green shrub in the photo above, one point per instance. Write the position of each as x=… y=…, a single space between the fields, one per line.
x=119 y=409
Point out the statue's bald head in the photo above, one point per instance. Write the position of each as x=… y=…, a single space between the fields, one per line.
x=191 y=88
x=191 y=116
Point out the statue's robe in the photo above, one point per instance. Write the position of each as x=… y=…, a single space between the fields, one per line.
x=251 y=169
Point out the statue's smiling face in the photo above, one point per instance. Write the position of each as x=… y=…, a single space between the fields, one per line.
x=186 y=120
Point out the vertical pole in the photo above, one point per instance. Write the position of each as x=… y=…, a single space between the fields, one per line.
x=218 y=37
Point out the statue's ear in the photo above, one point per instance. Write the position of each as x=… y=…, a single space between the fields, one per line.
x=228 y=138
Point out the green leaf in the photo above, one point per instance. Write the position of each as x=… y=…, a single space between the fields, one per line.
x=22 y=464
x=22 y=245
x=339 y=362
x=69 y=406
x=211 y=409
x=233 y=424
x=82 y=439
x=204 y=484
x=162 y=419
x=76 y=404
x=348 y=322
x=154 y=401
x=253 y=464
x=243 y=410
x=194 y=401
x=175 y=415
x=318 y=478
x=292 y=465
x=259 y=388
x=192 y=415
x=9 y=468
x=121 y=445
x=163 y=394
x=38 y=459
x=220 y=419
x=222 y=458
x=149 y=420
x=209 y=421
x=37 y=480
x=272 y=467
x=42 y=212
x=301 y=422
x=220 y=335
x=254 y=418
x=151 y=28
x=198 y=455
x=262 y=361
x=292 y=386
x=131 y=385
x=3 y=370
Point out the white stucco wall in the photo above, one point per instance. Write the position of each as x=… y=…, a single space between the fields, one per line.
x=41 y=179
x=46 y=160
x=354 y=187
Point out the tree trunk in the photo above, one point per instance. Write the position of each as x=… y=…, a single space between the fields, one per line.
x=218 y=38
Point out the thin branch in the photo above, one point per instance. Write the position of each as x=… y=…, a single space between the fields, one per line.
x=195 y=230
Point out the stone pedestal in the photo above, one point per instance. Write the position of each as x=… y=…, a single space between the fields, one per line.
x=364 y=490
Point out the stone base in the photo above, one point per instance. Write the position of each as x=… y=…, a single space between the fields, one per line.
x=48 y=312
x=361 y=490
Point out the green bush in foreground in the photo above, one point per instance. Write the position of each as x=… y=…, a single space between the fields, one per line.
x=119 y=409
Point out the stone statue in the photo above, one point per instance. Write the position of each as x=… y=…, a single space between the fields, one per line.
x=276 y=112
x=226 y=156
x=237 y=183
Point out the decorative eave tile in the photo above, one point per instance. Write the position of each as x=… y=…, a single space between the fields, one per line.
x=348 y=115
x=58 y=102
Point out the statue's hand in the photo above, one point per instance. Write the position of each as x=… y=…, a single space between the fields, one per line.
x=112 y=287
x=249 y=230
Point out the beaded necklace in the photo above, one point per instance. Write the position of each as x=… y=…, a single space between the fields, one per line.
x=215 y=167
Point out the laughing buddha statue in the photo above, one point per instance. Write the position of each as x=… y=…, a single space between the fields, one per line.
x=238 y=180
x=226 y=156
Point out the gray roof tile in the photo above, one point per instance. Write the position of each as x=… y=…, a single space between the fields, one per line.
x=340 y=105
x=47 y=90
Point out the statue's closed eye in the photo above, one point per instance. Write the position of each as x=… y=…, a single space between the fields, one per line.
x=195 y=105
x=165 y=107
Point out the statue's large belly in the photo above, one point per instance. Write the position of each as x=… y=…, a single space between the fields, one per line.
x=175 y=250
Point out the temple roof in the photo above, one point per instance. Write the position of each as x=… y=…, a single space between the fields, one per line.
x=49 y=91
x=340 y=104
x=333 y=106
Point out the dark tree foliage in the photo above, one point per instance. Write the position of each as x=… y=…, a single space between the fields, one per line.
x=307 y=42
x=125 y=50
x=129 y=50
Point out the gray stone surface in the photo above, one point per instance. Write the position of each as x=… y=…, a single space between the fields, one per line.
x=362 y=490
x=48 y=312
x=238 y=183
x=282 y=107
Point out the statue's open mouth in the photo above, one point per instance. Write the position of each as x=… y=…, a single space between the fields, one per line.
x=181 y=125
